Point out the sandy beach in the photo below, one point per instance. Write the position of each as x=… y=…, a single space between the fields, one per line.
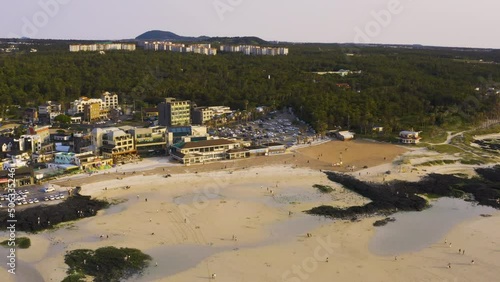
x=244 y=221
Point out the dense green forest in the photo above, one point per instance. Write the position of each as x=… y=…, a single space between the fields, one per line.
x=398 y=88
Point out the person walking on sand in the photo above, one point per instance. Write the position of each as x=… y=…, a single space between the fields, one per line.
x=459 y=251
x=472 y=262
x=450 y=245
x=214 y=275
x=449 y=265
x=463 y=252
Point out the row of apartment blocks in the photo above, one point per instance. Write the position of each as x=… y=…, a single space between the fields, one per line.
x=102 y=47
x=254 y=50
x=205 y=49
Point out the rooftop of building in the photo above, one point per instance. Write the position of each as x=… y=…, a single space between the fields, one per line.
x=203 y=143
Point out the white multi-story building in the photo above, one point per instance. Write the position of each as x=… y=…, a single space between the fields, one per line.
x=78 y=106
x=204 y=49
x=254 y=50
x=102 y=47
x=112 y=142
x=109 y=100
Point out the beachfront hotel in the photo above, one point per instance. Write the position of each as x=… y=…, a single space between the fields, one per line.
x=192 y=152
x=112 y=142
x=202 y=151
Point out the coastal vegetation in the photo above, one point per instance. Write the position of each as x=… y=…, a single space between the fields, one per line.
x=323 y=188
x=104 y=264
x=20 y=242
x=398 y=88
x=46 y=217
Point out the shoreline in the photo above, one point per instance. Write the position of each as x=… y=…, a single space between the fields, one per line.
x=239 y=194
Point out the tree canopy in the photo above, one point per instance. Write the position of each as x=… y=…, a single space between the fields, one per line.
x=397 y=87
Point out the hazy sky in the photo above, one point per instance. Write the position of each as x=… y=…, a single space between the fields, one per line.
x=464 y=23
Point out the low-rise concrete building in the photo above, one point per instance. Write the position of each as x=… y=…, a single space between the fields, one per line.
x=409 y=137
x=149 y=140
x=112 y=142
x=203 y=151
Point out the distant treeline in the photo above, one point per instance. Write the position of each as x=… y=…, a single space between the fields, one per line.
x=397 y=88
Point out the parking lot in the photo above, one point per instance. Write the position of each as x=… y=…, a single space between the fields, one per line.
x=30 y=196
x=274 y=127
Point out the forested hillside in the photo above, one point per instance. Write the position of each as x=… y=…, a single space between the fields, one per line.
x=397 y=87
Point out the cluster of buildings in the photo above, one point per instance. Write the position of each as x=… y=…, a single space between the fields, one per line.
x=95 y=109
x=254 y=50
x=96 y=47
x=340 y=72
x=205 y=49
x=173 y=112
x=84 y=109
x=9 y=49
x=45 y=152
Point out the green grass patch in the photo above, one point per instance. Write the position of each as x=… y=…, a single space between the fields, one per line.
x=323 y=188
x=75 y=277
x=437 y=162
x=445 y=149
x=20 y=242
x=472 y=161
x=105 y=264
x=434 y=135
x=431 y=196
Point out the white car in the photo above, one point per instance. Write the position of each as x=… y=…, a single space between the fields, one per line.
x=35 y=200
x=30 y=201
x=61 y=196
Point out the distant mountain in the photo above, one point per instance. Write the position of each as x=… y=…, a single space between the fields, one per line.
x=170 y=36
x=167 y=36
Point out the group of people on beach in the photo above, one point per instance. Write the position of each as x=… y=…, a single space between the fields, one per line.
x=460 y=251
